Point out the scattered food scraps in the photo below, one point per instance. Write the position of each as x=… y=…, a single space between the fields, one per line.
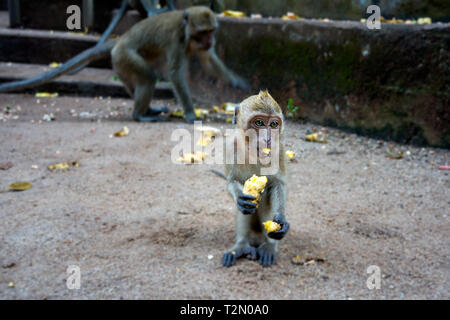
x=48 y=117
x=210 y=131
x=205 y=141
x=234 y=14
x=425 y=20
x=290 y=16
x=123 y=132
x=308 y=259
x=46 y=95
x=63 y=166
x=394 y=154
x=19 y=186
x=54 y=65
x=191 y=157
x=290 y=154
x=316 y=137
x=199 y=113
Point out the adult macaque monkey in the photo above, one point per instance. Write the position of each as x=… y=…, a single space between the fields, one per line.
x=262 y=114
x=173 y=36
x=146 y=8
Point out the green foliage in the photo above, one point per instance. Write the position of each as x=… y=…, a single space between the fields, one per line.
x=291 y=108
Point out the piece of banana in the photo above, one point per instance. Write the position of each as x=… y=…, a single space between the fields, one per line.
x=271 y=226
x=254 y=186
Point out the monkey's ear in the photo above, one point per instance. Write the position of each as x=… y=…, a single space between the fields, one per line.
x=236 y=112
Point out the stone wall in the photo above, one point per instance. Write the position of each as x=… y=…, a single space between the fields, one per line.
x=392 y=83
x=438 y=10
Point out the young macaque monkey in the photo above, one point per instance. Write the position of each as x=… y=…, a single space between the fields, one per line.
x=172 y=36
x=262 y=114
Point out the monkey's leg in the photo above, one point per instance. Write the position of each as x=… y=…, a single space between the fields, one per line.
x=143 y=94
x=182 y=93
x=242 y=246
x=267 y=251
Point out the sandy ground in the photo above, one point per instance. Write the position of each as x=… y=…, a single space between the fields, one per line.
x=140 y=226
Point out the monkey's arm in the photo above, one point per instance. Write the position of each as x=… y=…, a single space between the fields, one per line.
x=278 y=201
x=89 y=55
x=176 y=64
x=215 y=67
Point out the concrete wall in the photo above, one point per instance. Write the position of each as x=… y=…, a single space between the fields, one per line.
x=392 y=83
x=345 y=9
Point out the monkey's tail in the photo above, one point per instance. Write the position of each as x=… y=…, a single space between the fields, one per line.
x=92 y=54
x=220 y=174
x=112 y=25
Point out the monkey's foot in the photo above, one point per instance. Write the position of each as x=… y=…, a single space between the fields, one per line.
x=143 y=118
x=267 y=255
x=190 y=117
x=156 y=110
x=229 y=258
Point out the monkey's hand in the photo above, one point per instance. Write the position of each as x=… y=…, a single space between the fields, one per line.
x=278 y=235
x=244 y=205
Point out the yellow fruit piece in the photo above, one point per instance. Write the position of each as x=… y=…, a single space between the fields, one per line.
x=266 y=150
x=54 y=65
x=122 y=133
x=209 y=131
x=290 y=154
x=290 y=16
x=201 y=112
x=255 y=186
x=192 y=157
x=425 y=20
x=178 y=113
x=205 y=141
x=46 y=95
x=215 y=109
x=59 y=166
x=19 y=186
x=234 y=14
x=11 y=285
x=315 y=137
x=271 y=226
x=228 y=107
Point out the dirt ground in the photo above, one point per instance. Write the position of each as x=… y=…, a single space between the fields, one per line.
x=141 y=227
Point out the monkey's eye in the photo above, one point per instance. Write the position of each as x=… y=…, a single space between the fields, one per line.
x=274 y=124
x=259 y=123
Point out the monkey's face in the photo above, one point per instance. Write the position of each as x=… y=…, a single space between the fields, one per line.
x=202 y=40
x=201 y=24
x=267 y=127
